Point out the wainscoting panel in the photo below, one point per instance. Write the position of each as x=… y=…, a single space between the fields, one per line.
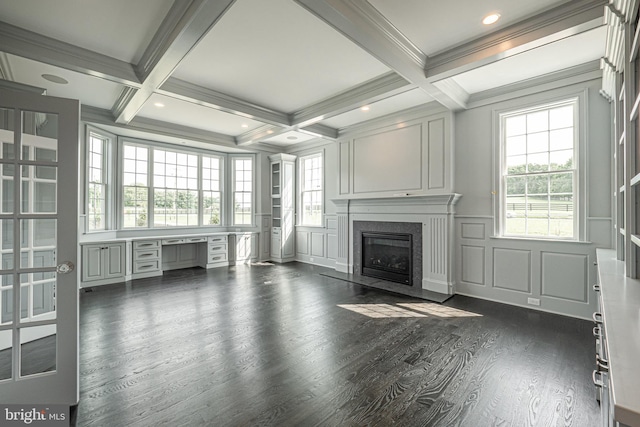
x=317 y=244
x=302 y=242
x=564 y=276
x=512 y=269
x=553 y=276
x=472 y=231
x=473 y=264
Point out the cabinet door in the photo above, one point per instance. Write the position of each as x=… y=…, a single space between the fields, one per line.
x=92 y=267
x=276 y=250
x=114 y=261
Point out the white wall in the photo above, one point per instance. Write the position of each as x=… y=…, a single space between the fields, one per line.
x=559 y=274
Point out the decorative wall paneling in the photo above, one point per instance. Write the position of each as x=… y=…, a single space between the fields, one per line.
x=408 y=158
x=551 y=276
x=318 y=245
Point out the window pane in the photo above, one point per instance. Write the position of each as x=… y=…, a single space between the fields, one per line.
x=537 y=122
x=516 y=125
x=561 y=139
x=561 y=117
x=538 y=142
x=516 y=145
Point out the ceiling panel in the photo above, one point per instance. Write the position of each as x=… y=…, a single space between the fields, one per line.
x=435 y=25
x=196 y=116
x=118 y=28
x=278 y=55
x=552 y=57
x=89 y=90
x=381 y=108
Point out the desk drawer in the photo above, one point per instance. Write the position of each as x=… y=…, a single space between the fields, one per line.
x=195 y=239
x=145 y=266
x=144 y=244
x=217 y=248
x=217 y=239
x=217 y=257
x=142 y=255
x=172 y=241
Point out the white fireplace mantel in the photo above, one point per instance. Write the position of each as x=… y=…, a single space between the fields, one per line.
x=434 y=212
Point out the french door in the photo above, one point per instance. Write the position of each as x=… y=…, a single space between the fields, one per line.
x=38 y=249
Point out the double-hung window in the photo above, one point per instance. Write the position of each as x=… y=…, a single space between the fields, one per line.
x=311 y=194
x=242 y=190
x=98 y=188
x=175 y=189
x=211 y=190
x=539 y=171
x=135 y=186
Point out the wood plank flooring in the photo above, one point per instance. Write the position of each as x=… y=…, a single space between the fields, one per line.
x=281 y=345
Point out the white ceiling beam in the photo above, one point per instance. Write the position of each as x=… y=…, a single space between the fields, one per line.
x=359 y=21
x=27 y=44
x=259 y=134
x=382 y=87
x=184 y=26
x=566 y=20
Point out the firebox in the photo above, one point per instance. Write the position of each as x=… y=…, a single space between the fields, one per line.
x=387 y=256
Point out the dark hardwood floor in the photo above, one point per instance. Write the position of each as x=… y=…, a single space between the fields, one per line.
x=280 y=345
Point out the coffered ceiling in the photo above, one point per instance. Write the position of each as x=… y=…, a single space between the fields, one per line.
x=268 y=75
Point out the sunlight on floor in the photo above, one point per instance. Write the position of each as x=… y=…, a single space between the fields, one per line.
x=439 y=310
x=380 y=310
x=407 y=310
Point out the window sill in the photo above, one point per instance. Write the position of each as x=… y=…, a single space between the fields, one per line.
x=540 y=239
x=309 y=226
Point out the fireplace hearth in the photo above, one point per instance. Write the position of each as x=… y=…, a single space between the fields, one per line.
x=387 y=256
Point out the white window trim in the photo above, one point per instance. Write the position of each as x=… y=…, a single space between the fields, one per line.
x=300 y=217
x=232 y=192
x=108 y=168
x=580 y=193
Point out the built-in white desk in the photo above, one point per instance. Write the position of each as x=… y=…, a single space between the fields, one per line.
x=117 y=260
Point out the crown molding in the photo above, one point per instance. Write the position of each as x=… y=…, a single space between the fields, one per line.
x=454 y=90
x=100 y=116
x=27 y=44
x=10 y=84
x=359 y=21
x=555 y=24
x=183 y=27
x=382 y=87
x=260 y=133
x=319 y=130
x=195 y=94
x=578 y=74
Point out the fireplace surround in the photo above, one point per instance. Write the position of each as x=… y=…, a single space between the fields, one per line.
x=432 y=255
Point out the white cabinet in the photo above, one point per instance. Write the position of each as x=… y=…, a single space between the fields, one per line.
x=246 y=248
x=216 y=254
x=146 y=258
x=282 y=207
x=103 y=263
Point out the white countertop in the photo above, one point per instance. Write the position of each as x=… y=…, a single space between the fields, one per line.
x=98 y=239
x=621 y=313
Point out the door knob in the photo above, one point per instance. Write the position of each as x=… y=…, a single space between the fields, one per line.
x=65 y=268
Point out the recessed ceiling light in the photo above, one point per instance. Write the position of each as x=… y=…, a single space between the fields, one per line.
x=55 y=79
x=159 y=104
x=491 y=19
x=269 y=131
x=292 y=138
x=365 y=108
x=244 y=125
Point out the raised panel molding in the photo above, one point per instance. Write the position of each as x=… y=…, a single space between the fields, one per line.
x=332 y=246
x=472 y=265
x=472 y=231
x=564 y=275
x=302 y=242
x=344 y=169
x=437 y=164
x=388 y=161
x=317 y=244
x=512 y=269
